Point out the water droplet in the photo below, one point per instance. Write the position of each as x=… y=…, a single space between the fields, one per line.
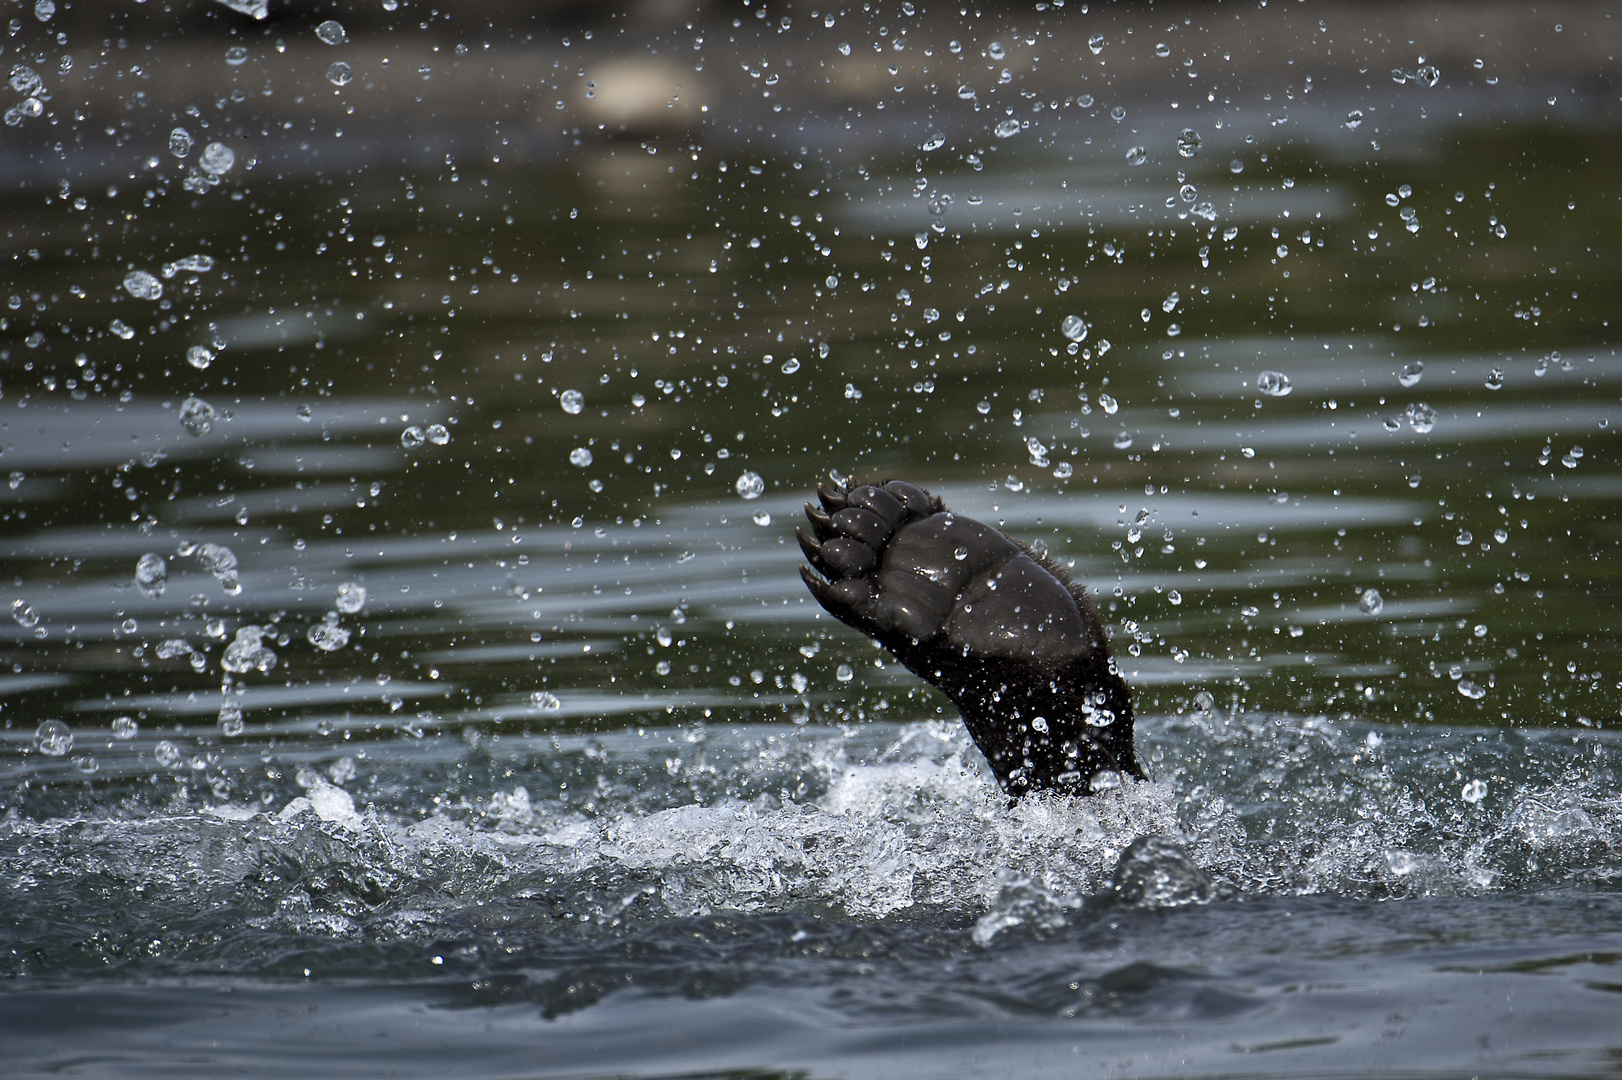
x=219 y=560
x=983 y=408
x=996 y=51
x=573 y=402
x=1421 y=417
x=340 y=74
x=1138 y=155
x=1428 y=76
x=1188 y=143
x=1007 y=127
x=151 y=574
x=199 y=357
x=44 y=9
x=1471 y=690
x=180 y=142
x=1117 y=113
x=1474 y=791
x=351 y=597
x=122 y=329
x=173 y=647
x=53 y=738
x=216 y=158
x=125 y=728
x=1175 y=597
x=26 y=108
x=197 y=417
x=1273 y=384
x=198 y=264
x=545 y=700
x=1074 y=328
x=248 y=652
x=792 y=364
x=142 y=285
x=1187 y=193
x=844 y=673
x=236 y=56
x=230 y=720
x=1411 y=373
x=966 y=92
x=1096 y=43
x=1495 y=379
x=330 y=32
x=1236 y=166
x=23 y=612
x=25 y=80
x=1170 y=303
x=1371 y=602
x=1354 y=119
x=936 y=140
x=1162 y=50
x=1123 y=440
x=750 y=485
x=1464 y=538
x=580 y=456
x=167 y=753
x=921 y=239
x=438 y=434
x=327 y=635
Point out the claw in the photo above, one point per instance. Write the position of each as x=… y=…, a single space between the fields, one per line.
x=841 y=598
x=818 y=587
x=833 y=499
x=813 y=552
x=821 y=524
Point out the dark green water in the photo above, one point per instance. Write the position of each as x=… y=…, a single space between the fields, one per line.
x=583 y=783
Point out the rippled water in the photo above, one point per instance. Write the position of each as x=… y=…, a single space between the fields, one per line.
x=407 y=667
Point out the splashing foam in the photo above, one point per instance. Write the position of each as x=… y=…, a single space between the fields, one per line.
x=926 y=830
x=914 y=827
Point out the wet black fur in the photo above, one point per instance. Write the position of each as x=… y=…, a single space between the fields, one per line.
x=1002 y=630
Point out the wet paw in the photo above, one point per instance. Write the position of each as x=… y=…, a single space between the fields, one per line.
x=998 y=628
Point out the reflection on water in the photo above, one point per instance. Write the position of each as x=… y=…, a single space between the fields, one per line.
x=398 y=521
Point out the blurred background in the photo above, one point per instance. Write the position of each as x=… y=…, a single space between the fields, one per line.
x=538 y=321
